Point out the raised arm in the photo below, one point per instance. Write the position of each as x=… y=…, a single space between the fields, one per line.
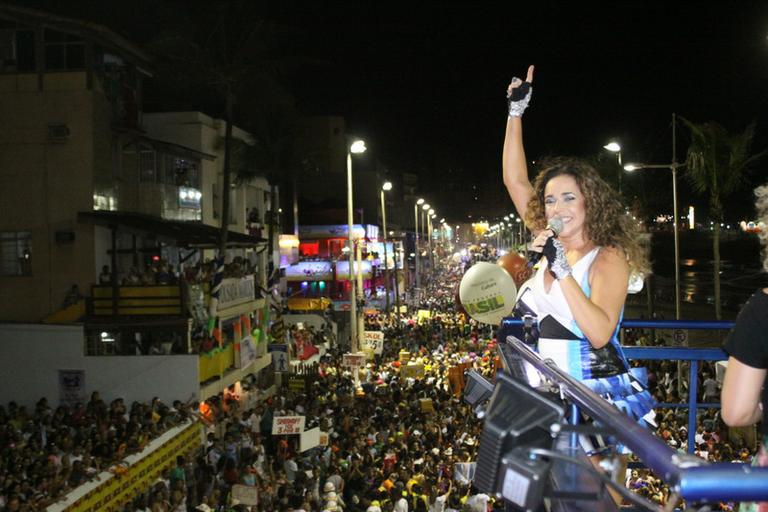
x=515 y=169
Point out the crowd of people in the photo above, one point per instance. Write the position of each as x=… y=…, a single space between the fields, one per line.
x=48 y=451
x=401 y=440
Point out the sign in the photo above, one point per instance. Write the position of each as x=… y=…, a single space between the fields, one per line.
x=236 y=291
x=309 y=271
x=312 y=438
x=426 y=405
x=245 y=494
x=342 y=269
x=247 y=350
x=297 y=383
x=353 y=360
x=333 y=231
x=412 y=371
x=71 y=387
x=374 y=340
x=287 y=425
x=680 y=337
x=279 y=356
x=464 y=472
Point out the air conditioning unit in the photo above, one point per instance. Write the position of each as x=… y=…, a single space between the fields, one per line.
x=58 y=132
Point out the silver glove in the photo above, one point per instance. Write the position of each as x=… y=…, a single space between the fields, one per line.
x=558 y=263
x=517 y=100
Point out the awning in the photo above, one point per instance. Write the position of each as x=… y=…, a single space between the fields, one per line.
x=186 y=234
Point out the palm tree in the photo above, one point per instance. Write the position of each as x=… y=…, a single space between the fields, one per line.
x=717 y=164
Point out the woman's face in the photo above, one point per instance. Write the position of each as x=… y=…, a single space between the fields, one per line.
x=563 y=199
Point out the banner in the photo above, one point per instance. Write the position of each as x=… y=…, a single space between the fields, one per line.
x=353 y=360
x=313 y=438
x=287 y=425
x=374 y=340
x=71 y=387
x=236 y=291
x=246 y=494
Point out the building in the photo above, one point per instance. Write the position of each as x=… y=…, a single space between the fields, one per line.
x=108 y=215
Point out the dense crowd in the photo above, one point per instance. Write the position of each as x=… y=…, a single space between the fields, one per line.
x=399 y=436
x=46 y=452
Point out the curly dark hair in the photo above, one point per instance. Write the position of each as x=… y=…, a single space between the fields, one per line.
x=607 y=224
x=761 y=205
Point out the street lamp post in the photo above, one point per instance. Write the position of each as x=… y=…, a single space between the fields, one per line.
x=674 y=166
x=431 y=215
x=387 y=186
x=416 y=239
x=615 y=147
x=424 y=209
x=357 y=147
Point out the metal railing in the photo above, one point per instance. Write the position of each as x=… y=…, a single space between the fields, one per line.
x=691 y=477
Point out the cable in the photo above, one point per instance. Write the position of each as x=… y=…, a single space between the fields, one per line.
x=625 y=493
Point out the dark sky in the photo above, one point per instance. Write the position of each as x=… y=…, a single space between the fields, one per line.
x=425 y=85
x=424 y=82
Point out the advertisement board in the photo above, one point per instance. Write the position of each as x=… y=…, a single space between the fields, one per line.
x=287 y=425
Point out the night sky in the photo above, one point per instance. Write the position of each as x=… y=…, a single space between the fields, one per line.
x=425 y=86
x=424 y=83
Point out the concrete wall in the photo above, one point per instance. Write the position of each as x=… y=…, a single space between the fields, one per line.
x=43 y=184
x=32 y=354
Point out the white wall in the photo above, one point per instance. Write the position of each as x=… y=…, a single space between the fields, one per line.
x=31 y=356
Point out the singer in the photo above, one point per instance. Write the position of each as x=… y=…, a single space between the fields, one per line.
x=578 y=291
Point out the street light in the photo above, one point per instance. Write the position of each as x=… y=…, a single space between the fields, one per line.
x=615 y=147
x=356 y=147
x=674 y=166
x=387 y=186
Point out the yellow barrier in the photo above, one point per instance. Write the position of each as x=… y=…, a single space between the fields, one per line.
x=68 y=315
x=216 y=363
x=138 y=300
x=301 y=304
x=138 y=477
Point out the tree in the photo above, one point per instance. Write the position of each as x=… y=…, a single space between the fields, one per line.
x=717 y=164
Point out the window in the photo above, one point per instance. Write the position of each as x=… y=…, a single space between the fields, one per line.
x=180 y=172
x=17 y=50
x=63 y=51
x=15 y=253
x=147 y=166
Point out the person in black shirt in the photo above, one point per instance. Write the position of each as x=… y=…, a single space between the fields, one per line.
x=744 y=398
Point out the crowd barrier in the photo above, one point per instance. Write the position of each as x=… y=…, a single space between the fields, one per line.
x=110 y=490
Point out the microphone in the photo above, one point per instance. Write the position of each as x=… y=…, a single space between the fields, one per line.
x=556 y=225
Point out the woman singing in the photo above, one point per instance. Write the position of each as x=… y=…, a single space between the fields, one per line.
x=578 y=291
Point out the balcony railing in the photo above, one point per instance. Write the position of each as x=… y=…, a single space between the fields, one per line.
x=136 y=300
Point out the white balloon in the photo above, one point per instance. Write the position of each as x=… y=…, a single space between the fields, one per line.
x=487 y=293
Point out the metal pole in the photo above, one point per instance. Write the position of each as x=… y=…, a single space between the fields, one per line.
x=386 y=267
x=396 y=256
x=360 y=296
x=352 y=289
x=416 y=242
x=431 y=257
x=674 y=208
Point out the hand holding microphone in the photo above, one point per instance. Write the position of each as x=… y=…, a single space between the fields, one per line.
x=552 y=249
x=543 y=243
